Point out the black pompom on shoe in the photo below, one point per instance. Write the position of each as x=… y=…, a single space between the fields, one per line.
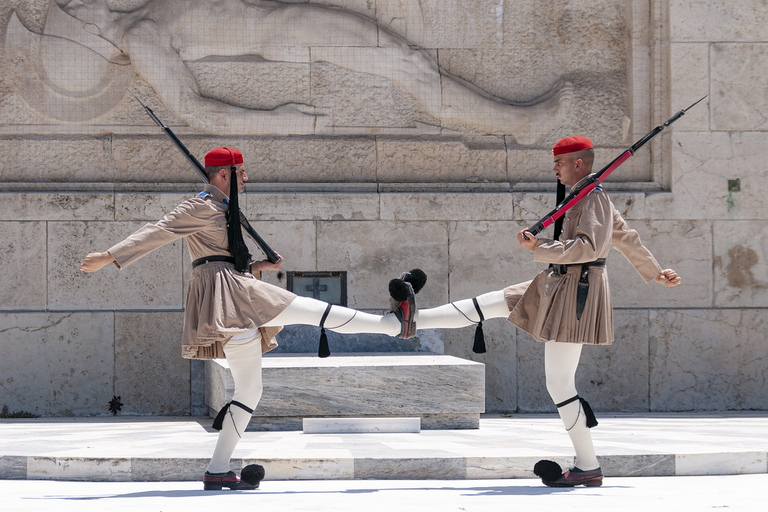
x=252 y=474
x=548 y=470
x=400 y=290
x=416 y=277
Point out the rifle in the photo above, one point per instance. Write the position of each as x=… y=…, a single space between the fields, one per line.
x=597 y=178
x=196 y=165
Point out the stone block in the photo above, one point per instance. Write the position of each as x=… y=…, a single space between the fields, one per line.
x=79 y=469
x=740 y=263
x=638 y=465
x=376 y=102
x=443 y=468
x=372 y=253
x=447 y=206
x=500 y=360
x=361 y=425
x=28 y=206
x=611 y=378
x=303 y=339
x=306 y=469
x=485 y=256
x=24 y=255
x=57 y=364
x=289 y=206
x=697 y=464
x=712 y=20
x=682 y=245
x=310 y=160
x=690 y=80
x=739 y=98
x=147 y=206
x=13 y=467
x=294 y=241
x=151 y=377
x=78 y=159
x=702 y=167
x=708 y=360
x=444 y=391
x=423 y=160
x=154 y=282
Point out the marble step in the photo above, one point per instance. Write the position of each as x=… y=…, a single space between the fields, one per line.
x=444 y=392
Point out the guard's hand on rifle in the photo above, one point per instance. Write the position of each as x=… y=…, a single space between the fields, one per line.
x=527 y=239
x=668 y=278
x=265 y=264
x=95 y=261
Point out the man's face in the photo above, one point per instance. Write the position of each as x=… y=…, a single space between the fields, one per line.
x=568 y=169
x=242 y=177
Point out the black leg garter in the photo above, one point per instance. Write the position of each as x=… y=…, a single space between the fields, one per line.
x=591 y=420
x=219 y=421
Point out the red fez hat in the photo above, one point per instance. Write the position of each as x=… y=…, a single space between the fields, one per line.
x=571 y=144
x=223 y=156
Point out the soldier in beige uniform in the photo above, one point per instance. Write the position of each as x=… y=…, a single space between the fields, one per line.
x=567 y=305
x=231 y=313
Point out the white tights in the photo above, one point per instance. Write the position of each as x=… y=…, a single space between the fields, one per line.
x=560 y=363
x=243 y=354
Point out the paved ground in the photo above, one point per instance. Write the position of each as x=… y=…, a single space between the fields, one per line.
x=145 y=449
x=737 y=493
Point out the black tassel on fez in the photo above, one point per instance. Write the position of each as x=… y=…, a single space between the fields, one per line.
x=479 y=345
x=323 y=350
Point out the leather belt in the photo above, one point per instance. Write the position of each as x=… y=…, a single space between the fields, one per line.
x=583 y=286
x=211 y=259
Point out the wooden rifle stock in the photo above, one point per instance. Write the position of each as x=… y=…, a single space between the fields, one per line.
x=197 y=166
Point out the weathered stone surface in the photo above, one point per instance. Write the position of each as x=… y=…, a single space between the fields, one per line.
x=708 y=360
x=740 y=264
x=79 y=469
x=739 y=93
x=611 y=378
x=482 y=159
x=78 y=159
x=399 y=247
x=149 y=345
x=148 y=207
x=689 y=71
x=485 y=256
x=447 y=206
x=57 y=364
x=24 y=278
x=154 y=282
x=500 y=360
x=711 y=20
x=704 y=162
x=27 y=206
x=310 y=160
x=422 y=385
x=287 y=206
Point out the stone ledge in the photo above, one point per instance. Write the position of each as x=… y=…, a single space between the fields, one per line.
x=446 y=392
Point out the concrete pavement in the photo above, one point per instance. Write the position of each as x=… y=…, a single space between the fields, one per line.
x=732 y=493
x=124 y=449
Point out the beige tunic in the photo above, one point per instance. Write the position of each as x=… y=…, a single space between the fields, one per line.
x=546 y=306
x=221 y=302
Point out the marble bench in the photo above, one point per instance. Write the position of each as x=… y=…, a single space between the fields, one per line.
x=445 y=392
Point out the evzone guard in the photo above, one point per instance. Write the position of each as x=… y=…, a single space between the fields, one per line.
x=566 y=306
x=230 y=313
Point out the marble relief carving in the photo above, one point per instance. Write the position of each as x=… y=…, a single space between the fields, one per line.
x=248 y=67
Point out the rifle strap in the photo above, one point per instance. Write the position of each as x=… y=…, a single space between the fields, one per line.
x=560 y=198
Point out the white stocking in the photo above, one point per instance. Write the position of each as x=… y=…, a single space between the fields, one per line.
x=308 y=311
x=244 y=359
x=560 y=363
x=462 y=313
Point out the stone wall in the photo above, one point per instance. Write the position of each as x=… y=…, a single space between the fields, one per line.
x=386 y=182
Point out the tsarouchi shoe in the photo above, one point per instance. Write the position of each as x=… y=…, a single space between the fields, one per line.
x=576 y=476
x=215 y=482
